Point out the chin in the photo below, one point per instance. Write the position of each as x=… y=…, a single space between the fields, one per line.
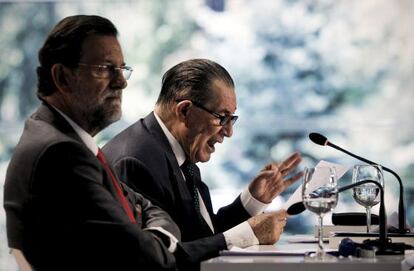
x=115 y=118
x=205 y=158
x=112 y=117
x=115 y=113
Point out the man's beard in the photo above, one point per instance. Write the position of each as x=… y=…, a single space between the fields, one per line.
x=97 y=113
x=95 y=117
x=101 y=117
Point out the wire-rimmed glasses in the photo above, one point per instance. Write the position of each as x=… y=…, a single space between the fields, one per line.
x=107 y=71
x=224 y=119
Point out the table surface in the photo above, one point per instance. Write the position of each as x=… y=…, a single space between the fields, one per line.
x=288 y=256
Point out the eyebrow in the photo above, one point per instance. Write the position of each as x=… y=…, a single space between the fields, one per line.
x=225 y=111
x=110 y=62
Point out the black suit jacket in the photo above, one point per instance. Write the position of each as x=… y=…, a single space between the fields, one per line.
x=143 y=158
x=63 y=212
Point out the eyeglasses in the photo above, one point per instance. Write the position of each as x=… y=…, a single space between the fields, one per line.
x=108 y=71
x=224 y=120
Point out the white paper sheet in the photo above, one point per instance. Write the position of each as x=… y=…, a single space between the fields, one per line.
x=297 y=195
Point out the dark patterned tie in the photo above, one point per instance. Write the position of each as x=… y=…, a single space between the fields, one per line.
x=189 y=170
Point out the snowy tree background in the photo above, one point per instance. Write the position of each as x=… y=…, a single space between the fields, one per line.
x=343 y=68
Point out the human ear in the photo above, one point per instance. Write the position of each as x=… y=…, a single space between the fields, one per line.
x=182 y=109
x=60 y=75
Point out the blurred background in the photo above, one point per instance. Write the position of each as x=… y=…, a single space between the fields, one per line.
x=344 y=68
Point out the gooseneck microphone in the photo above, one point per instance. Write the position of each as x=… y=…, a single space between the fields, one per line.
x=322 y=140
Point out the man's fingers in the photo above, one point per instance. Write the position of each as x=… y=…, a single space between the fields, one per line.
x=290 y=163
x=293 y=179
x=292 y=158
x=281 y=214
x=266 y=174
x=286 y=166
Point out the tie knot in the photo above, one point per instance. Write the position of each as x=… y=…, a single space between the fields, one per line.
x=188 y=168
x=101 y=156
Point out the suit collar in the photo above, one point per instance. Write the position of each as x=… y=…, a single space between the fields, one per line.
x=176 y=147
x=51 y=115
x=154 y=128
x=156 y=131
x=84 y=136
x=47 y=113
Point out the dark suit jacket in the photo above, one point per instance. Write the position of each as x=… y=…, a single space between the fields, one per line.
x=62 y=210
x=143 y=158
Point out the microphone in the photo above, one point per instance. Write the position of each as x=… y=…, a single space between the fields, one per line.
x=322 y=140
x=300 y=207
x=384 y=245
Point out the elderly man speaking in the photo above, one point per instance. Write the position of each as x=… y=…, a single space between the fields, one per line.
x=156 y=156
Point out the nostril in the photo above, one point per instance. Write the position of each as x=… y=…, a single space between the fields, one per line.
x=118 y=82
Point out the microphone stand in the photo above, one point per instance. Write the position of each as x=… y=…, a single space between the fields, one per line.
x=382 y=216
x=401 y=209
x=322 y=140
x=383 y=245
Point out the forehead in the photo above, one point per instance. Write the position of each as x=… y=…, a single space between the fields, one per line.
x=101 y=48
x=223 y=98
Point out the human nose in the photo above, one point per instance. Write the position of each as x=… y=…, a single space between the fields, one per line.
x=118 y=80
x=227 y=129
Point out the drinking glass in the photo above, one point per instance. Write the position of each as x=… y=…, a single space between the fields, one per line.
x=368 y=194
x=320 y=195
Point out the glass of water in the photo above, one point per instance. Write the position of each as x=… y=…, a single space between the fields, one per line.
x=320 y=195
x=368 y=194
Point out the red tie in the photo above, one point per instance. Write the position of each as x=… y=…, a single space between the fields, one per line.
x=115 y=182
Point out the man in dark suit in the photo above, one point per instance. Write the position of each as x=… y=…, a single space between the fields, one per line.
x=157 y=157
x=65 y=208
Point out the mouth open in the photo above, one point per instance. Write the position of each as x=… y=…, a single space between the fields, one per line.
x=211 y=145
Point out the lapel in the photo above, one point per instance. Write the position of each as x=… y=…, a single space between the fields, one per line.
x=130 y=196
x=49 y=114
x=178 y=184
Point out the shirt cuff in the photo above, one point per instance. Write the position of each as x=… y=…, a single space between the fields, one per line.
x=241 y=235
x=173 y=240
x=252 y=205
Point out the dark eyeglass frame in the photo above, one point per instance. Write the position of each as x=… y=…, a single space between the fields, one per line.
x=125 y=70
x=224 y=120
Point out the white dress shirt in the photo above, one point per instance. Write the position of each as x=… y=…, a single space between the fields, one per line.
x=91 y=145
x=241 y=235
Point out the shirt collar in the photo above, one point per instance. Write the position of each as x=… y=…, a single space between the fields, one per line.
x=175 y=145
x=86 y=138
